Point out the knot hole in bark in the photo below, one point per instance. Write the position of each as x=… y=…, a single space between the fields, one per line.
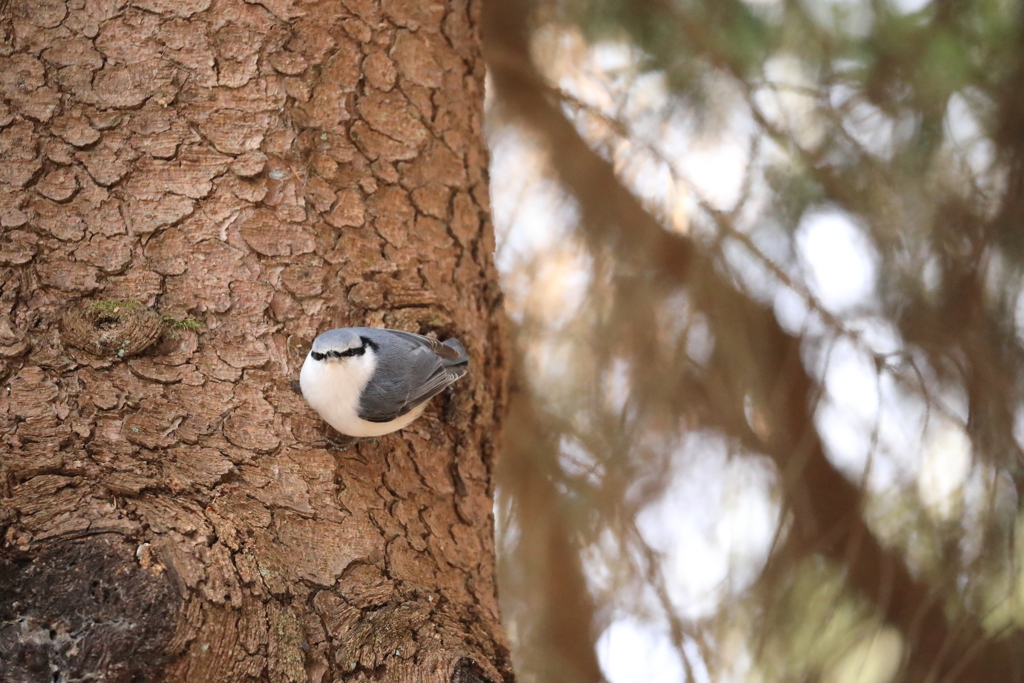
x=111 y=327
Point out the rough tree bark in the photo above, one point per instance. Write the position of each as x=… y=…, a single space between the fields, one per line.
x=168 y=507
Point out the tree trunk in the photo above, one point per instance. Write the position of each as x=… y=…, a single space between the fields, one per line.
x=190 y=191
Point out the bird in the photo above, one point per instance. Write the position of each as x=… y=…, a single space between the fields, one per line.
x=367 y=381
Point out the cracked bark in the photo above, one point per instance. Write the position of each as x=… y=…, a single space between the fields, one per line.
x=170 y=511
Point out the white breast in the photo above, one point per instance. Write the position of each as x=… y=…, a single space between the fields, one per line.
x=332 y=388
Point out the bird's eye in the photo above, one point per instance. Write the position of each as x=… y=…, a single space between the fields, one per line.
x=316 y=355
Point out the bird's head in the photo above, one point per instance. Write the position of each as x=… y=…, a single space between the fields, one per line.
x=338 y=345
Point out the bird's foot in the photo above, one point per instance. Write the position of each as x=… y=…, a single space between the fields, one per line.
x=340 y=443
x=343 y=442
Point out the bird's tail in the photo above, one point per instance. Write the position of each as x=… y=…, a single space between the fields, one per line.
x=462 y=358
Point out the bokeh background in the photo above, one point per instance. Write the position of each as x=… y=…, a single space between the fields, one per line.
x=763 y=263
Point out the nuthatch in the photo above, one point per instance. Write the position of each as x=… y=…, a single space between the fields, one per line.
x=368 y=382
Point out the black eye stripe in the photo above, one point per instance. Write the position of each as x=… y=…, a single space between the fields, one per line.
x=358 y=351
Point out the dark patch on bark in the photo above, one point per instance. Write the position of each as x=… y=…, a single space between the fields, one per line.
x=468 y=671
x=83 y=610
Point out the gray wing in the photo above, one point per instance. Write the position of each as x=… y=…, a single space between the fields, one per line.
x=444 y=350
x=422 y=368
